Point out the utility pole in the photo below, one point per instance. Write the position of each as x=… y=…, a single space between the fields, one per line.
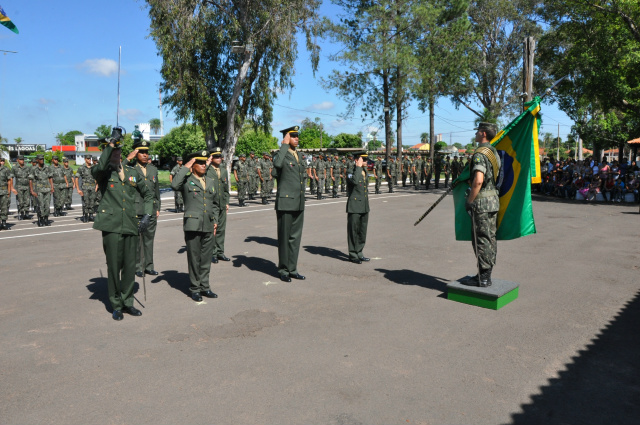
x=529 y=48
x=160 y=108
x=558 y=141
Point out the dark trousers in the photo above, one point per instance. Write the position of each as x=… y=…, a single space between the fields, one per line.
x=289 y=237
x=486 y=247
x=312 y=186
x=121 y=266
x=243 y=187
x=199 y=251
x=356 y=234
x=148 y=237
x=177 y=197
x=218 y=249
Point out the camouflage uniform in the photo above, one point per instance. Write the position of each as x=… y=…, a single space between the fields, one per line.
x=335 y=181
x=456 y=167
x=5 y=195
x=21 y=175
x=265 y=171
x=88 y=188
x=486 y=206
x=177 y=194
x=68 y=191
x=391 y=174
x=417 y=169
x=273 y=178
x=447 y=172
x=243 y=180
x=328 y=165
x=437 y=170
x=427 y=170
x=42 y=187
x=343 y=175
x=406 y=164
x=59 y=184
x=378 y=167
x=320 y=172
x=313 y=183
x=252 y=171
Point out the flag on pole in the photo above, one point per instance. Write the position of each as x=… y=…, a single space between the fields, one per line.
x=517 y=145
x=6 y=21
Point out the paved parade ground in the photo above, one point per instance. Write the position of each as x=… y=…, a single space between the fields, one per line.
x=376 y=343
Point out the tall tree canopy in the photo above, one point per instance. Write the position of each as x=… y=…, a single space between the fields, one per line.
x=204 y=80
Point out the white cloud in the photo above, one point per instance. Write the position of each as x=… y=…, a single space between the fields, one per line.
x=44 y=101
x=322 y=106
x=131 y=114
x=102 y=67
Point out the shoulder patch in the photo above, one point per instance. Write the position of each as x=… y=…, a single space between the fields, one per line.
x=477 y=159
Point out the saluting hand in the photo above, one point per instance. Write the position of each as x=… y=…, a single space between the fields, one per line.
x=286 y=139
x=132 y=154
x=190 y=163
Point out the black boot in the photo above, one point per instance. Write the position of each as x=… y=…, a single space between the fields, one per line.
x=3 y=225
x=91 y=217
x=45 y=221
x=55 y=212
x=40 y=222
x=485 y=278
x=264 y=201
x=20 y=216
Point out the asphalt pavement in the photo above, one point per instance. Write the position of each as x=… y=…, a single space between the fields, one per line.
x=376 y=343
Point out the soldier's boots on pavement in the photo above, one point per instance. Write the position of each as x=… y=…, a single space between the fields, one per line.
x=3 y=225
x=483 y=282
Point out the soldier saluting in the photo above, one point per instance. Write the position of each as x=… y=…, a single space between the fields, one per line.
x=483 y=204
x=289 y=204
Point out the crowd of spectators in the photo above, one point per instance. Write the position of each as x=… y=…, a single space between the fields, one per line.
x=588 y=178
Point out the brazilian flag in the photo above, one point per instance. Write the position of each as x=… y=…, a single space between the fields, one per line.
x=517 y=145
x=6 y=21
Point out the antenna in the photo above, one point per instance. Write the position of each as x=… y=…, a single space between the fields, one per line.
x=118 y=106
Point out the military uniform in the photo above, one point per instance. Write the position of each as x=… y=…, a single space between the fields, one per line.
x=343 y=175
x=357 y=213
x=437 y=170
x=21 y=175
x=117 y=218
x=427 y=171
x=378 y=168
x=242 y=179
x=289 y=208
x=220 y=179
x=177 y=194
x=335 y=177
x=252 y=171
x=456 y=167
x=149 y=178
x=313 y=184
x=98 y=197
x=33 y=199
x=392 y=174
x=59 y=186
x=406 y=164
x=6 y=182
x=321 y=173
x=201 y=213
x=41 y=180
x=67 y=191
x=264 y=166
x=88 y=189
x=447 y=172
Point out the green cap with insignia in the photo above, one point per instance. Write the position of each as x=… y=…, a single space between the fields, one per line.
x=361 y=154
x=199 y=156
x=216 y=152
x=293 y=131
x=141 y=145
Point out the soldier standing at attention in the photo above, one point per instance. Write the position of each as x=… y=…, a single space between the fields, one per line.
x=200 y=222
x=437 y=169
x=427 y=171
x=335 y=176
x=218 y=174
x=177 y=194
x=60 y=183
x=289 y=205
x=273 y=178
x=483 y=203
x=416 y=170
x=455 y=169
x=242 y=178
x=41 y=185
x=313 y=183
x=88 y=191
x=404 y=169
x=447 y=171
x=34 y=200
x=68 y=191
x=21 y=187
x=6 y=187
x=321 y=175
x=98 y=197
x=306 y=172
x=357 y=209
x=119 y=223
x=149 y=178
x=377 y=173
x=264 y=174
x=252 y=170
x=391 y=172
x=343 y=175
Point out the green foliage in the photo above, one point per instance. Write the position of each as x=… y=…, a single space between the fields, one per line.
x=374 y=145
x=180 y=141
x=345 y=140
x=310 y=135
x=155 y=124
x=439 y=146
x=469 y=148
x=103 y=131
x=252 y=140
x=69 y=138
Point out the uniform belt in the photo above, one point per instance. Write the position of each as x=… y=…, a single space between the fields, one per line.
x=487 y=193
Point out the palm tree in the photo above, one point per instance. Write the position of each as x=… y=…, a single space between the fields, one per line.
x=155 y=125
x=424 y=138
x=18 y=140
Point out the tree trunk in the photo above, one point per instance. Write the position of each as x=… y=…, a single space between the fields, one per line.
x=230 y=138
x=387 y=113
x=399 y=127
x=432 y=131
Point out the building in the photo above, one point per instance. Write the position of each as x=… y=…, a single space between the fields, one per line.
x=23 y=148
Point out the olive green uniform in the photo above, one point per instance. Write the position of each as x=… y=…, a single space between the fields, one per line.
x=177 y=194
x=221 y=194
x=201 y=211
x=328 y=165
x=252 y=172
x=427 y=172
x=21 y=185
x=5 y=195
x=68 y=191
x=487 y=204
x=447 y=172
x=378 y=167
x=313 y=184
x=357 y=212
x=88 y=188
x=343 y=176
x=289 y=208
x=456 y=167
x=321 y=170
x=243 y=179
x=391 y=174
x=59 y=185
x=335 y=177
x=150 y=180
x=265 y=172
x=40 y=177
x=406 y=166
x=118 y=220
x=416 y=171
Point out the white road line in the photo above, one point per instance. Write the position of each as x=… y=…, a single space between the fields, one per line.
x=314 y=204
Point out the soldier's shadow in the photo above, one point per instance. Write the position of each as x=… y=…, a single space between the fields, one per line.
x=326 y=252
x=99 y=291
x=262 y=240
x=410 y=277
x=182 y=250
x=256 y=264
x=176 y=280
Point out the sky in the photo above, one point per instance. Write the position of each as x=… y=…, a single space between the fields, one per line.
x=64 y=77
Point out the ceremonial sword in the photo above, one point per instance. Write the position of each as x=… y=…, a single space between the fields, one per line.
x=433 y=206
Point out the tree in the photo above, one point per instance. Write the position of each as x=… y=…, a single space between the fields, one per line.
x=180 y=141
x=206 y=79
x=312 y=135
x=103 y=131
x=18 y=141
x=155 y=124
x=345 y=140
x=255 y=140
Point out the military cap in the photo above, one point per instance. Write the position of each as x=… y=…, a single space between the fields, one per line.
x=65 y=160
x=20 y=157
x=95 y=158
x=1 y=159
x=487 y=126
x=216 y=152
x=242 y=155
x=361 y=154
x=264 y=153
x=179 y=158
x=141 y=145
x=55 y=157
x=350 y=155
x=293 y=129
x=199 y=156
x=33 y=160
x=39 y=156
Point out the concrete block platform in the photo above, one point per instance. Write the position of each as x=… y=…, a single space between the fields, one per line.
x=500 y=293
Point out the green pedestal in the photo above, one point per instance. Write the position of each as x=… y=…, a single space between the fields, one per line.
x=496 y=296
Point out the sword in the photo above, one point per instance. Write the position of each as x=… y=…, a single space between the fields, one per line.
x=144 y=278
x=435 y=204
